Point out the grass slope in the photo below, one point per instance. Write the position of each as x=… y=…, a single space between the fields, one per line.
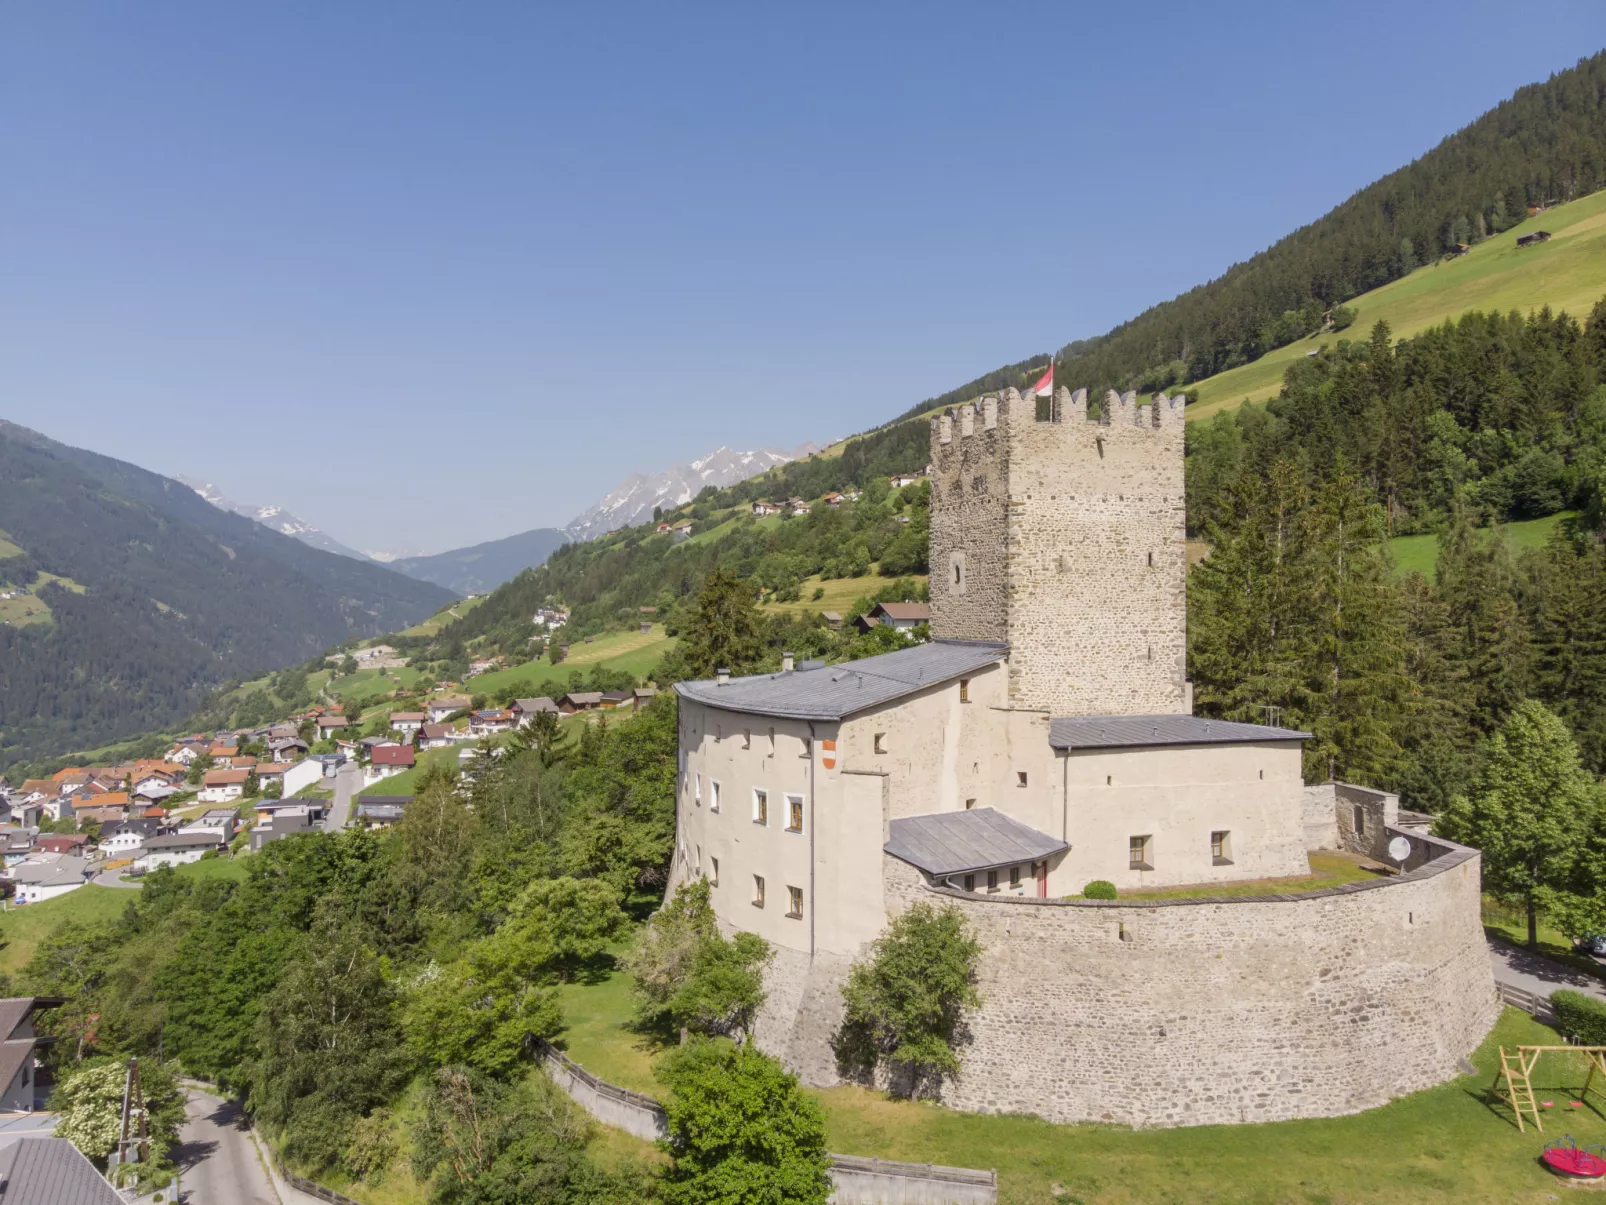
x=1420 y=554
x=1567 y=273
x=839 y=595
x=443 y=617
x=633 y=652
x=1447 y=1144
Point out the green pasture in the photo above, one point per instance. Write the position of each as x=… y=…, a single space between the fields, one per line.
x=1420 y=554
x=840 y=593
x=634 y=652
x=1566 y=273
x=402 y=784
x=440 y=619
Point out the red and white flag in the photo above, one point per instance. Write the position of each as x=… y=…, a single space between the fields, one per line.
x=1045 y=387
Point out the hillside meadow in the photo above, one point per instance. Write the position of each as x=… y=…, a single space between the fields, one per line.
x=1566 y=273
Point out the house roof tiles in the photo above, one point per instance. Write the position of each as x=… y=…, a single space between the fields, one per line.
x=948 y=843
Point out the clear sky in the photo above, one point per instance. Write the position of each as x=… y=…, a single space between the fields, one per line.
x=427 y=274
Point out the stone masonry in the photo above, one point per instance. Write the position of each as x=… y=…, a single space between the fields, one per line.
x=1194 y=1012
x=1065 y=537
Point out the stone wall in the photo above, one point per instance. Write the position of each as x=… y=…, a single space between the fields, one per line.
x=1196 y=1012
x=1069 y=538
x=1321 y=817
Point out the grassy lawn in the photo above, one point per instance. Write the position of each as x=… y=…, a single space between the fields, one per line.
x=367 y=682
x=633 y=652
x=1420 y=554
x=402 y=784
x=1567 y=273
x=840 y=593
x=1328 y=868
x=1447 y=1144
x=24 y=927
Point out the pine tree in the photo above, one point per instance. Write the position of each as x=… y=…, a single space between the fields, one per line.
x=725 y=630
x=1477 y=581
x=1566 y=595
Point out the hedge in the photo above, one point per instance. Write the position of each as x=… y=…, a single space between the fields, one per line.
x=1580 y=1017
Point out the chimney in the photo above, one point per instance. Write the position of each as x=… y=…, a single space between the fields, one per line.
x=786 y=663
x=722 y=675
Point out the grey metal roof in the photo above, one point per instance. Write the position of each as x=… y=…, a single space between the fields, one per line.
x=192 y=839
x=49 y=874
x=947 y=843
x=1117 y=731
x=834 y=691
x=51 y=1171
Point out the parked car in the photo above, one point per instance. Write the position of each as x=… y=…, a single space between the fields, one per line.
x=1592 y=943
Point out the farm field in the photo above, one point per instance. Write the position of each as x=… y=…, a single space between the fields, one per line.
x=7 y=548
x=1420 y=554
x=1567 y=273
x=1446 y=1144
x=367 y=682
x=632 y=652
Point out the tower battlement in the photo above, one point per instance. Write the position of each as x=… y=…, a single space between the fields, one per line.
x=1064 y=536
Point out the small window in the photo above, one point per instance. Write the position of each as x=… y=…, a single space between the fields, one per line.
x=1020 y=778
x=758 y=891
x=713 y=795
x=1360 y=821
x=761 y=807
x=1221 y=848
x=713 y=871
x=698 y=789
x=794 y=902
x=1151 y=560
x=881 y=742
x=992 y=880
x=970 y=882
x=1014 y=876
x=747 y=738
x=719 y=733
x=969 y=803
x=794 y=813
x=964 y=690
x=808 y=746
x=1263 y=774
x=1138 y=853
x=697 y=866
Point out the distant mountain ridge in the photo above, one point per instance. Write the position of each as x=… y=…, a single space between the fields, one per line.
x=483 y=567
x=633 y=500
x=275 y=518
x=156 y=597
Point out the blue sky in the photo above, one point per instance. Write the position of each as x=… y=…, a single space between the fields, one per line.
x=341 y=257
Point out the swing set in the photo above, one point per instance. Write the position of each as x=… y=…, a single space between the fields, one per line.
x=1516 y=1068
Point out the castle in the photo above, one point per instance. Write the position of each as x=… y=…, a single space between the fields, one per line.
x=1043 y=739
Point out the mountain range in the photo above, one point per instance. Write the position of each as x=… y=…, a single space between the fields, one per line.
x=133 y=598
x=276 y=518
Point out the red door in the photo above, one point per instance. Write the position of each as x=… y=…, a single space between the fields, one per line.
x=1042 y=880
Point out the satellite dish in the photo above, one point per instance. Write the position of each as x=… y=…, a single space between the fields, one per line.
x=1400 y=848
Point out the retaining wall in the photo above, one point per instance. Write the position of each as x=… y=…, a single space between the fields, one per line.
x=1194 y=1012
x=857 y=1181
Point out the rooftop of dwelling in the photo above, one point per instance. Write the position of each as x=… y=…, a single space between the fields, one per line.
x=834 y=692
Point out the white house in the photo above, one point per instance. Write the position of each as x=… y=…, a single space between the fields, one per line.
x=177 y=849
x=388 y=760
x=123 y=839
x=222 y=786
x=44 y=880
x=406 y=722
x=302 y=775
x=439 y=709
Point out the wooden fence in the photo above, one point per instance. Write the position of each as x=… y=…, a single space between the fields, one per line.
x=1531 y=1003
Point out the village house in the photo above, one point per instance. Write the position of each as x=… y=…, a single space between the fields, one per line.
x=832 y=500
x=269 y=773
x=328 y=725
x=484 y=666
x=17 y=844
x=381 y=811
x=19 y=1064
x=61 y=843
x=221 y=786
x=407 y=722
x=584 y=700
x=388 y=760
x=177 y=848
x=284 y=822
x=761 y=509
x=99 y=815
x=905 y=616
x=306 y=773
x=490 y=721
x=525 y=709
x=613 y=700
x=899 y=480
x=47 y=876
x=288 y=748
x=126 y=837
x=436 y=736
x=220 y=821
x=681 y=531
x=440 y=709
x=797 y=506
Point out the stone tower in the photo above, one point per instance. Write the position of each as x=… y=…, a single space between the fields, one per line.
x=1065 y=538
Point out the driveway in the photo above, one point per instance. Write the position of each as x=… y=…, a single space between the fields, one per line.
x=219 y=1161
x=1538 y=974
x=114 y=878
x=348 y=781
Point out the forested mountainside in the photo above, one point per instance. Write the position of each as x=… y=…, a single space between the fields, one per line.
x=1546 y=144
x=482 y=567
x=133 y=597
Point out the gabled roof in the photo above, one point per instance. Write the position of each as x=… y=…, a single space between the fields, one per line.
x=16 y=1009
x=407 y=717
x=948 y=843
x=532 y=705
x=393 y=755
x=918 y=611
x=835 y=691
x=1125 y=731
x=192 y=839
x=51 y=1171
x=224 y=778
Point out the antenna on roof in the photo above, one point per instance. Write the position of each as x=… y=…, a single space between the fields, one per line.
x=1274 y=715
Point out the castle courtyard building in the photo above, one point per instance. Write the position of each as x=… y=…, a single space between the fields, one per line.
x=1043 y=739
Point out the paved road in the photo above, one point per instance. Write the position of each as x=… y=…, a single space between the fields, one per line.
x=348 y=781
x=114 y=878
x=218 y=1161
x=1538 y=974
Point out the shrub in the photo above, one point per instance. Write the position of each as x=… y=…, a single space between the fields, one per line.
x=1580 y=1017
x=1099 y=889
